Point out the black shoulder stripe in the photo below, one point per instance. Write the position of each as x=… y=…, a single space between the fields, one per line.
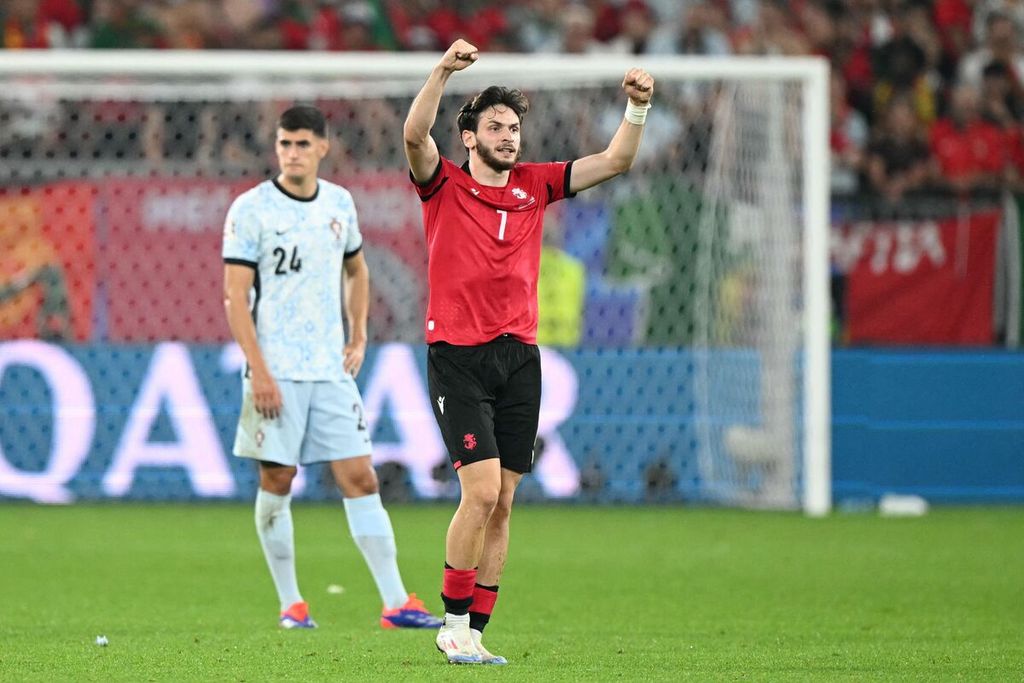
x=242 y=262
x=568 y=182
x=432 y=178
x=426 y=197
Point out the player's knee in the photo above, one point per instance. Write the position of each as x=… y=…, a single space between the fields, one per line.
x=480 y=499
x=502 y=508
x=277 y=479
x=362 y=482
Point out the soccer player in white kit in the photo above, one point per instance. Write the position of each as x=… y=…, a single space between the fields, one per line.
x=288 y=244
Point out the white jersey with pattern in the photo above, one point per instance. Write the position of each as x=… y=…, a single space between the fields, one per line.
x=297 y=247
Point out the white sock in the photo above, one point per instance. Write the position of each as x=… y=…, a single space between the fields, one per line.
x=274 y=526
x=370 y=526
x=456 y=620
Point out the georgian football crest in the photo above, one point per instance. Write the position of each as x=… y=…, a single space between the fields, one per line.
x=337 y=228
x=519 y=193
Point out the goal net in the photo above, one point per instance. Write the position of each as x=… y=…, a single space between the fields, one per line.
x=688 y=297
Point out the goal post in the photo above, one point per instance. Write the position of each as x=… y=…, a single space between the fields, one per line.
x=715 y=246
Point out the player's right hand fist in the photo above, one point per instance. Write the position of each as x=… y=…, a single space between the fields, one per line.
x=460 y=55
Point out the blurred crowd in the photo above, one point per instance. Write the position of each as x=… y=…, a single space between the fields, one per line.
x=926 y=94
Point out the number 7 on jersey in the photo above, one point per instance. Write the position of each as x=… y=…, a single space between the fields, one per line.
x=504 y=220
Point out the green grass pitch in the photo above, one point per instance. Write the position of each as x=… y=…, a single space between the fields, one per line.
x=590 y=594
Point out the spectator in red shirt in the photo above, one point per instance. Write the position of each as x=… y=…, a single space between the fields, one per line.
x=607 y=19
x=306 y=26
x=21 y=26
x=424 y=24
x=970 y=152
x=953 y=20
x=40 y=24
x=488 y=26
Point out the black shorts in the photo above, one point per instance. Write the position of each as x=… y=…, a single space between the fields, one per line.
x=486 y=400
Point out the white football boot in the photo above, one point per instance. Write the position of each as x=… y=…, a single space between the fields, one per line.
x=455 y=641
x=485 y=656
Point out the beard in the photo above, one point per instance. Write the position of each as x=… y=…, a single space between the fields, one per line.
x=490 y=158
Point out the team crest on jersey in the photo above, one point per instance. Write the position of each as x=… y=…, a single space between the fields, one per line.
x=259 y=438
x=336 y=228
x=519 y=193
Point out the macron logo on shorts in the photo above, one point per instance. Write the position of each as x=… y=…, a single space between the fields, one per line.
x=440 y=403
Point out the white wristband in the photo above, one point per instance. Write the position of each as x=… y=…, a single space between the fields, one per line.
x=635 y=114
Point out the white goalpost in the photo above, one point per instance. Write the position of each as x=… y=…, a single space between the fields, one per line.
x=712 y=250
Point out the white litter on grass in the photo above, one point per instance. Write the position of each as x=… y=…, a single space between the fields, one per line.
x=102 y=641
x=335 y=589
x=893 y=505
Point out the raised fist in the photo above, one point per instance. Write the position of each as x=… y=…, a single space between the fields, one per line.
x=639 y=85
x=460 y=55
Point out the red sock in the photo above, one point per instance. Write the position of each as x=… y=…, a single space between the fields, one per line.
x=480 y=611
x=457 y=589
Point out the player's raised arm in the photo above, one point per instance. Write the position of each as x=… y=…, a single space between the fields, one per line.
x=621 y=152
x=420 y=148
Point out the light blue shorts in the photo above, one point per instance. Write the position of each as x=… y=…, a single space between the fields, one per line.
x=319 y=422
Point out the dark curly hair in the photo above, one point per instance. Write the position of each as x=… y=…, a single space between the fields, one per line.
x=469 y=115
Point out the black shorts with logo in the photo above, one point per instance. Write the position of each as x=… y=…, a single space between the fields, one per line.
x=486 y=400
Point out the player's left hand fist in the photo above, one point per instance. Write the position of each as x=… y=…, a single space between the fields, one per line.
x=639 y=85
x=355 y=353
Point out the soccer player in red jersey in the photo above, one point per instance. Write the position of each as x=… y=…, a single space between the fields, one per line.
x=483 y=223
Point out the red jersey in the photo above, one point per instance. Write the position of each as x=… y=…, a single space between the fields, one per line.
x=483 y=247
x=979 y=147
